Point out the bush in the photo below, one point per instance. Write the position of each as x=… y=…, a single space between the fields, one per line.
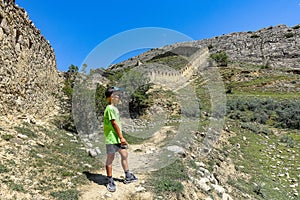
x=100 y=100
x=289 y=141
x=140 y=101
x=221 y=58
x=7 y=137
x=254 y=36
x=284 y=113
x=289 y=35
x=3 y=169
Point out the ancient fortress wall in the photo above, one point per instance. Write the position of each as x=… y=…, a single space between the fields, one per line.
x=175 y=79
x=29 y=78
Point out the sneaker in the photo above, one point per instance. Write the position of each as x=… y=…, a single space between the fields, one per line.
x=111 y=186
x=130 y=178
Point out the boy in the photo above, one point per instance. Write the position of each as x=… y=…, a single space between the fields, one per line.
x=114 y=140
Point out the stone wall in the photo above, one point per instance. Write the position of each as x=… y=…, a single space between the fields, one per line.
x=29 y=78
x=174 y=79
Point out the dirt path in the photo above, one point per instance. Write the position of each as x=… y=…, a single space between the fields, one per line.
x=97 y=188
x=140 y=163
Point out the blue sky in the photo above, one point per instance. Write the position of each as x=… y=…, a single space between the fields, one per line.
x=75 y=28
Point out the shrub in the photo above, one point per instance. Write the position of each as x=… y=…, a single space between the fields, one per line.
x=284 y=114
x=254 y=36
x=100 y=100
x=3 y=169
x=289 y=35
x=140 y=101
x=7 y=137
x=289 y=141
x=221 y=58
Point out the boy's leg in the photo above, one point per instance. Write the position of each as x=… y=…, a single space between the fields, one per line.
x=124 y=160
x=129 y=177
x=109 y=160
x=110 y=185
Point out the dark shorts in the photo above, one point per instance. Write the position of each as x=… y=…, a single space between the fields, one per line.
x=113 y=148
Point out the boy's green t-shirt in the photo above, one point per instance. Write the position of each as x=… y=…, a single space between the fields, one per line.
x=111 y=136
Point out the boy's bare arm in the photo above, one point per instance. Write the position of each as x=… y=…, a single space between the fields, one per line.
x=117 y=129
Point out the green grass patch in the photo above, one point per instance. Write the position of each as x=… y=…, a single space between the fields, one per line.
x=26 y=131
x=64 y=195
x=16 y=187
x=3 y=169
x=7 y=137
x=46 y=164
x=168 y=179
x=269 y=160
x=174 y=61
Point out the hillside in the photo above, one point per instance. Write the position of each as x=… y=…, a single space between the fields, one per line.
x=210 y=119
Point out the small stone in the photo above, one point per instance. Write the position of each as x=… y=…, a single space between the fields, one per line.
x=40 y=143
x=24 y=137
x=226 y=196
x=39 y=155
x=200 y=164
x=218 y=188
x=87 y=165
x=177 y=150
x=140 y=189
x=108 y=195
x=92 y=152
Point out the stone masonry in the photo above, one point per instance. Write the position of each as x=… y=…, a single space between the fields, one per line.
x=28 y=75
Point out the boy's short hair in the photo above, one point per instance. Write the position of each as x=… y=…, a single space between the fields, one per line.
x=109 y=91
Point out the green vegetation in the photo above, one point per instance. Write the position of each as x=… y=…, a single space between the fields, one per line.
x=221 y=58
x=100 y=100
x=7 y=137
x=66 y=121
x=3 y=169
x=70 y=80
x=46 y=163
x=65 y=194
x=170 y=59
x=281 y=114
x=263 y=119
x=268 y=160
x=289 y=35
x=26 y=131
x=254 y=36
x=168 y=179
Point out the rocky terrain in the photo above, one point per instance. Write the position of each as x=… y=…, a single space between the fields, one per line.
x=254 y=155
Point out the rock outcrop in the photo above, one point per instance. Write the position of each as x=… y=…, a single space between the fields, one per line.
x=28 y=75
x=277 y=46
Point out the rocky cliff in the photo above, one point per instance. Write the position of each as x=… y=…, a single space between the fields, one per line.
x=28 y=75
x=277 y=46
